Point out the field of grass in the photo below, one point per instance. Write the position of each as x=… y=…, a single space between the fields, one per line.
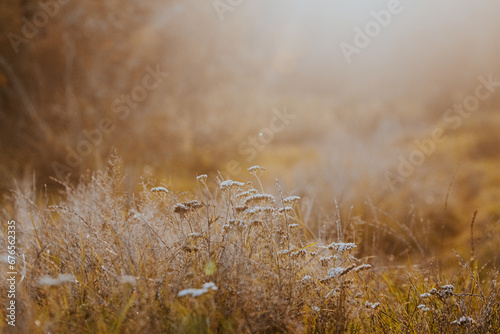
x=226 y=257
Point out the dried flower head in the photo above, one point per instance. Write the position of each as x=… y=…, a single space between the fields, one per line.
x=256 y=209
x=240 y=208
x=180 y=208
x=192 y=204
x=256 y=222
x=202 y=178
x=159 y=189
x=444 y=291
x=423 y=307
x=306 y=279
x=229 y=184
x=362 y=267
x=262 y=199
x=286 y=209
x=248 y=193
x=373 y=306
x=299 y=253
x=324 y=261
x=256 y=170
x=341 y=246
x=291 y=200
x=464 y=321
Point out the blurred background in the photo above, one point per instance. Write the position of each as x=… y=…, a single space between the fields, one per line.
x=329 y=96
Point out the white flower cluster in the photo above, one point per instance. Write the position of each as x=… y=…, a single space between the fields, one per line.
x=444 y=292
x=202 y=178
x=372 y=305
x=198 y=292
x=342 y=246
x=159 y=189
x=255 y=169
x=290 y=200
x=464 y=320
x=285 y=209
x=228 y=184
x=423 y=308
x=263 y=198
x=247 y=193
x=257 y=209
x=334 y=272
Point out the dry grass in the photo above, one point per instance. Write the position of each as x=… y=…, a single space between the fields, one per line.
x=130 y=261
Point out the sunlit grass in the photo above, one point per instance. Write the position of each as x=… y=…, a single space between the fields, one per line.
x=227 y=257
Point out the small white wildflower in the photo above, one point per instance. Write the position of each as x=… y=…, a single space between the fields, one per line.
x=290 y=200
x=446 y=291
x=159 y=189
x=228 y=184
x=257 y=209
x=372 y=305
x=324 y=260
x=425 y=295
x=423 y=308
x=256 y=170
x=306 y=278
x=253 y=168
x=284 y=252
x=262 y=198
x=202 y=178
x=342 y=246
x=247 y=193
x=198 y=292
x=334 y=272
x=192 y=292
x=285 y=209
x=61 y=279
x=464 y=320
x=299 y=253
x=316 y=309
x=267 y=209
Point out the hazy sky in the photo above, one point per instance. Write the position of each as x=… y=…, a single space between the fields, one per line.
x=423 y=48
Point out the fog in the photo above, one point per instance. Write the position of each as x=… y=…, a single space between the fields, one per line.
x=362 y=79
